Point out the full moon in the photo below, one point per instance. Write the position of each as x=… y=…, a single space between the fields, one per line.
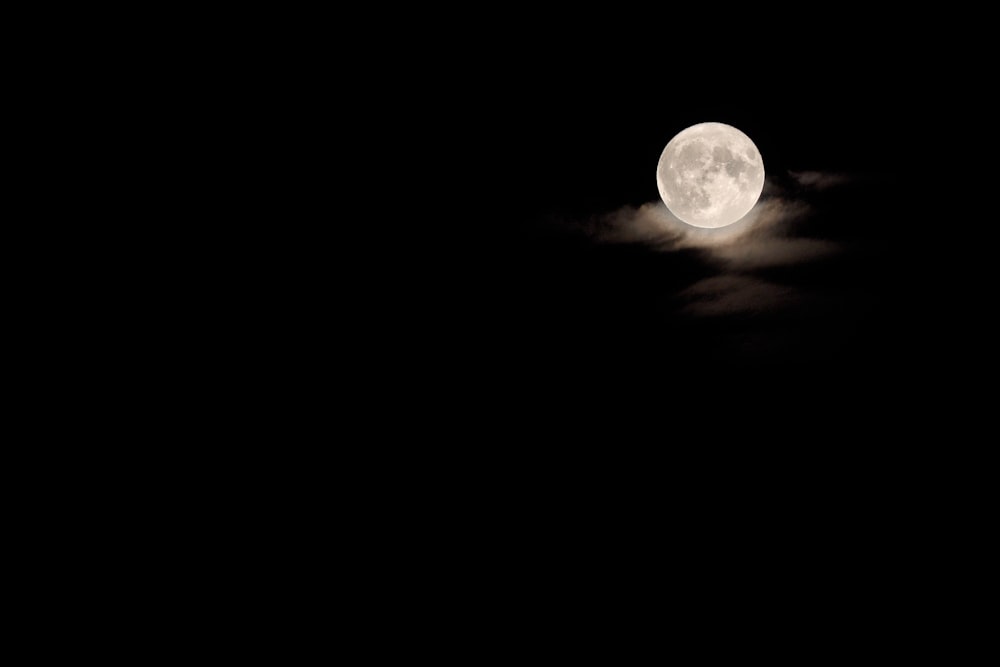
x=710 y=175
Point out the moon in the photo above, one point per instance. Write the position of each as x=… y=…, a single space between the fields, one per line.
x=710 y=175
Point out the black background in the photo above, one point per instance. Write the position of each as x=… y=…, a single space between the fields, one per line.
x=483 y=320
x=566 y=122
x=495 y=395
x=483 y=343
x=430 y=374
x=553 y=398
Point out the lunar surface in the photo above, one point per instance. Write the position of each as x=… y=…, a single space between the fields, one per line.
x=710 y=175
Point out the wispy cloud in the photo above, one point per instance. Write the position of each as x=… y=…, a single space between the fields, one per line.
x=769 y=235
x=653 y=223
x=730 y=294
x=819 y=180
x=771 y=252
x=735 y=259
x=788 y=282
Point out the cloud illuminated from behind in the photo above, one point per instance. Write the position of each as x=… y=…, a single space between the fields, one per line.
x=769 y=235
x=775 y=233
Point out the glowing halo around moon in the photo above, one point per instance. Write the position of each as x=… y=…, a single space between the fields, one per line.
x=710 y=175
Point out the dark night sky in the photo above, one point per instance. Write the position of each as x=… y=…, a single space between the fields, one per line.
x=526 y=375
x=570 y=131
x=509 y=390
x=514 y=323
x=573 y=389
